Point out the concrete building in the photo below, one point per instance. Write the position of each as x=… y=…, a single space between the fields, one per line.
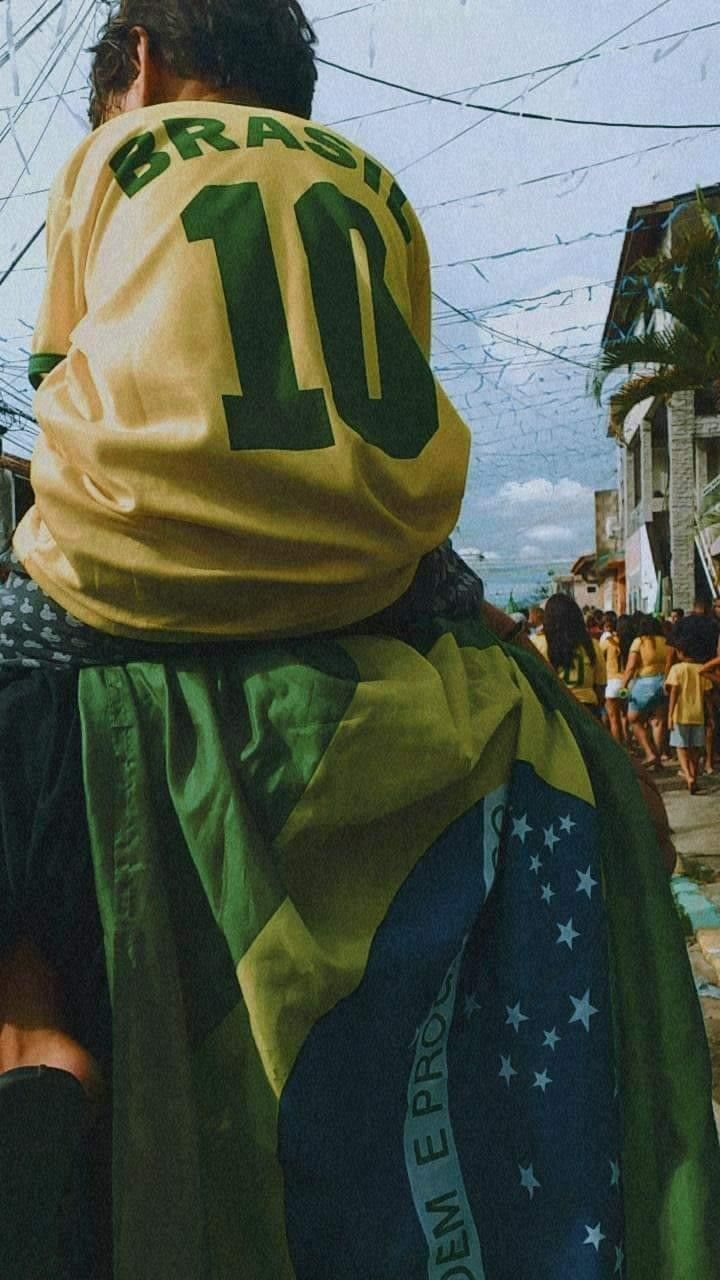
x=670 y=455
x=15 y=494
x=609 y=552
x=581 y=583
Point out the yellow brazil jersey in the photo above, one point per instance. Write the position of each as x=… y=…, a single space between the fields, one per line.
x=584 y=676
x=241 y=434
x=691 y=687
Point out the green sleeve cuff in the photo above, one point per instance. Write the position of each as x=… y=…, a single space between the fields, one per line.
x=39 y=365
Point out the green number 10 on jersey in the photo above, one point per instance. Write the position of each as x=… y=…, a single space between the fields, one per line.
x=382 y=389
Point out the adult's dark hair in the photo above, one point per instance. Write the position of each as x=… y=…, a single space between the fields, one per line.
x=265 y=46
x=626 y=633
x=565 y=631
x=650 y=626
x=680 y=612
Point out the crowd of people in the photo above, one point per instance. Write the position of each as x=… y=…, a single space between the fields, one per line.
x=654 y=681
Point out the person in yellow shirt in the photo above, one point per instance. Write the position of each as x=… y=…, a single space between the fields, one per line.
x=689 y=690
x=575 y=656
x=645 y=674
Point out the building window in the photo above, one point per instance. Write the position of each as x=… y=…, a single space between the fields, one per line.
x=660 y=454
x=636 y=459
x=706 y=405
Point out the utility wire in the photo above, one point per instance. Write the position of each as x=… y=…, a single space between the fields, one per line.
x=559 y=173
x=557 y=243
x=527 y=75
x=9 y=270
x=520 y=97
x=80 y=23
x=480 y=324
x=341 y=13
x=506 y=111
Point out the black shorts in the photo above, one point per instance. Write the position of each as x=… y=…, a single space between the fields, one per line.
x=47 y=886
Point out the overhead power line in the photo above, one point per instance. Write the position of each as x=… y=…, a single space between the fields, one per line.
x=536 y=71
x=520 y=97
x=557 y=243
x=507 y=337
x=341 y=13
x=560 y=173
x=18 y=258
x=507 y=111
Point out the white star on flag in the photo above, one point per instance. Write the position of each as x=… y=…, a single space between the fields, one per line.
x=528 y=1180
x=507 y=1070
x=587 y=884
x=550 y=838
x=551 y=1039
x=521 y=828
x=567 y=933
x=594 y=1236
x=583 y=1010
x=614 y=1173
x=515 y=1017
x=546 y=893
x=619 y=1259
x=535 y=863
x=471 y=1005
x=567 y=824
x=542 y=1080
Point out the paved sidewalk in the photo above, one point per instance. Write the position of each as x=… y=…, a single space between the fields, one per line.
x=695 y=824
x=695 y=820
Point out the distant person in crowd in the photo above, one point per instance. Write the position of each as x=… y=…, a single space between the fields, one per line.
x=645 y=668
x=609 y=623
x=689 y=693
x=536 y=620
x=572 y=652
x=615 y=665
x=701 y=628
x=594 y=623
x=676 y=615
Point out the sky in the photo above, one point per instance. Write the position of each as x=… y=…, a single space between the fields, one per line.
x=526 y=258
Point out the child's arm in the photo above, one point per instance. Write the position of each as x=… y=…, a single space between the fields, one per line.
x=673 y=690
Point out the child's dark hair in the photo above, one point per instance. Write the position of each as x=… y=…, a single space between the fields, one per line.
x=262 y=45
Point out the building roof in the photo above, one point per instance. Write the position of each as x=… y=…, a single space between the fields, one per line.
x=644 y=236
x=584 y=564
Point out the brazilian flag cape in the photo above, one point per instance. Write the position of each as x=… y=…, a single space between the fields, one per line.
x=398 y=987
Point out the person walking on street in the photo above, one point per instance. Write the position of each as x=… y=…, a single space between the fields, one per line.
x=689 y=693
x=572 y=652
x=698 y=633
x=611 y=649
x=646 y=669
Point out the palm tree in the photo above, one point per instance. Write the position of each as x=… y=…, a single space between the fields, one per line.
x=683 y=348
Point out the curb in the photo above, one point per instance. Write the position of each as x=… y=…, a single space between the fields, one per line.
x=709 y=943
x=703 y=917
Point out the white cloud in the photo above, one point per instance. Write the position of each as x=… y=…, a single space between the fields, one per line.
x=530 y=554
x=540 y=491
x=547 y=534
x=471 y=551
